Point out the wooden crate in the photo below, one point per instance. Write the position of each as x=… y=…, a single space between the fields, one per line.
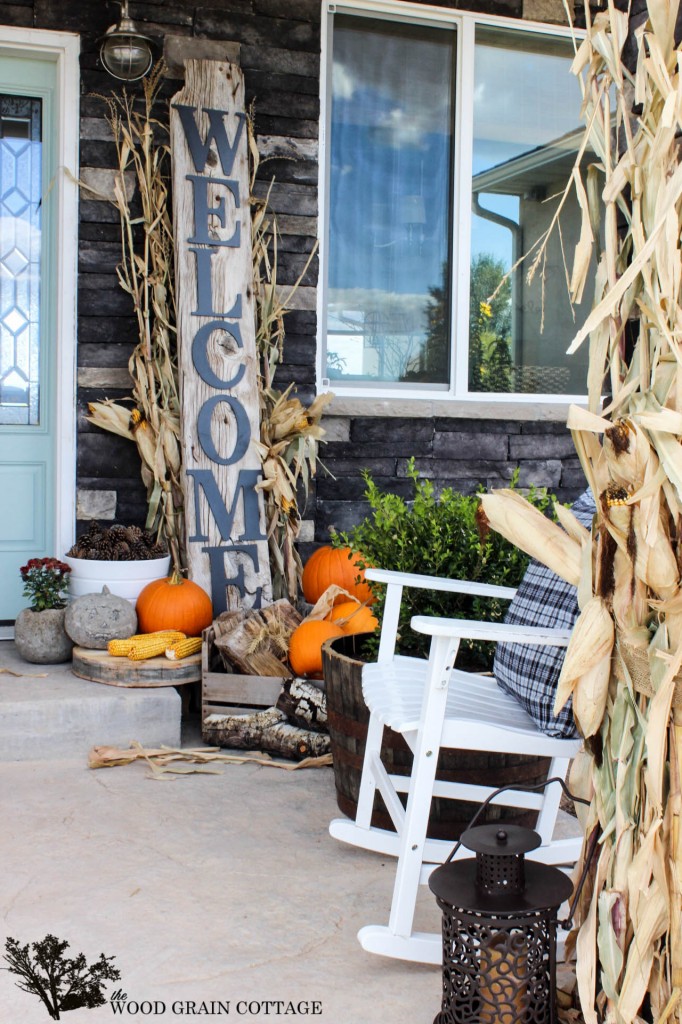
x=224 y=693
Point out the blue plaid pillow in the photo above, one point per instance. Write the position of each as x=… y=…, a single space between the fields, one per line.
x=529 y=673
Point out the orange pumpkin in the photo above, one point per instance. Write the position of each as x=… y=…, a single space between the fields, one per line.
x=174 y=603
x=360 y=618
x=330 y=565
x=305 y=645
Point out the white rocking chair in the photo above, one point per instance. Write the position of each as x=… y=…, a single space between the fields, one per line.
x=433 y=705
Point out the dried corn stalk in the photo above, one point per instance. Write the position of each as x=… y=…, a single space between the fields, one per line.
x=146 y=274
x=626 y=651
x=289 y=432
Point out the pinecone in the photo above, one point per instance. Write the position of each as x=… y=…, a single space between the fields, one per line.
x=117 y=543
x=103 y=549
x=86 y=544
x=121 y=552
x=138 y=550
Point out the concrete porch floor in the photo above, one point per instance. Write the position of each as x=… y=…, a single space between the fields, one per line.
x=215 y=888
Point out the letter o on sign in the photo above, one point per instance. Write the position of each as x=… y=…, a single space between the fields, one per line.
x=206 y=437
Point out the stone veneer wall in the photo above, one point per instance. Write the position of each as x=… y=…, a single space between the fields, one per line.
x=279 y=43
x=457 y=453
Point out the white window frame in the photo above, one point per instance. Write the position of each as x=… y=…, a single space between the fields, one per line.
x=62 y=49
x=455 y=398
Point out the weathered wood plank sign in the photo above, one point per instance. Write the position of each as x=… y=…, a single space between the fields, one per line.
x=226 y=543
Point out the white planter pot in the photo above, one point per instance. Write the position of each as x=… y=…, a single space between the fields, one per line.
x=126 y=579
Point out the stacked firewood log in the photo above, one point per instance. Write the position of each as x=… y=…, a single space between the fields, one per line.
x=256 y=643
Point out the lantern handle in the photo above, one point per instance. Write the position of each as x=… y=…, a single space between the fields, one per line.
x=567 y=922
x=527 y=789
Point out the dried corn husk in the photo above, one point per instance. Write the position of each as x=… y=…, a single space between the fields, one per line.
x=571 y=525
x=517 y=520
x=589 y=696
x=290 y=433
x=586 y=665
x=627 y=452
x=629 y=945
x=146 y=273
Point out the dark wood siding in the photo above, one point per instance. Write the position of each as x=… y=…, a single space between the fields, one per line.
x=280 y=56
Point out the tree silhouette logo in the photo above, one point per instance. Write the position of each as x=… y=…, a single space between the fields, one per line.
x=60 y=982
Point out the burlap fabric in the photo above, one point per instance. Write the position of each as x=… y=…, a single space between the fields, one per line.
x=637 y=663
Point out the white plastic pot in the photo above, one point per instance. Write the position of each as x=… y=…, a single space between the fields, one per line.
x=126 y=579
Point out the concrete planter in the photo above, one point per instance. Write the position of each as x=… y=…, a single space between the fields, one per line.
x=125 y=579
x=40 y=637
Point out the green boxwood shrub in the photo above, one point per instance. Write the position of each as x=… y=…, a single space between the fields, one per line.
x=444 y=535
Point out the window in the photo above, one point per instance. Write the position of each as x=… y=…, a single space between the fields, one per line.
x=449 y=143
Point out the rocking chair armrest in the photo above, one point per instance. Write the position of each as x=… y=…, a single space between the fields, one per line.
x=409 y=579
x=495 y=631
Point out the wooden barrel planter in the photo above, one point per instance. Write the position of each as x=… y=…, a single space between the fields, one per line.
x=348 y=719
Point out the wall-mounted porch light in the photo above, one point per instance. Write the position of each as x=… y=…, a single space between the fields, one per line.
x=126 y=53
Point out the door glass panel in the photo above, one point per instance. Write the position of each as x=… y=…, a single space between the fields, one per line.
x=390 y=188
x=20 y=242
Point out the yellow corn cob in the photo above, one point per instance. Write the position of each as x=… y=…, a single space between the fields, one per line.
x=148 y=647
x=120 y=648
x=183 y=648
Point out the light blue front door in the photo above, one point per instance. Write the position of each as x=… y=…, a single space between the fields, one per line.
x=27 y=320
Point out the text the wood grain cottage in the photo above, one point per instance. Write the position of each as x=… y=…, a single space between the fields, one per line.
x=217 y=359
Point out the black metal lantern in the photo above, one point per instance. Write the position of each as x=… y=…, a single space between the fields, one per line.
x=499 y=929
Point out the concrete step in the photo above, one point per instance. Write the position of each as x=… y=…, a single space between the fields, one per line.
x=46 y=712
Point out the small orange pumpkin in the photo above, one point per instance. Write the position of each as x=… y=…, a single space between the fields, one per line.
x=305 y=645
x=174 y=603
x=330 y=565
x=359 y=616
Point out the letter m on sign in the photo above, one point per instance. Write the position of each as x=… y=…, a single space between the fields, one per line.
x=224 y=517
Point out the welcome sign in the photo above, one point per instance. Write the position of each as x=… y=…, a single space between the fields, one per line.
x=217 y=359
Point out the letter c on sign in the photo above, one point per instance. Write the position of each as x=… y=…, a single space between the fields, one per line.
x=200 y=354
x=206 y=438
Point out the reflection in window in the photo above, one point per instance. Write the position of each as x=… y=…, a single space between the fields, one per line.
x=20 y=191
x=390 y=200
x=395 y=243
x=526 y=133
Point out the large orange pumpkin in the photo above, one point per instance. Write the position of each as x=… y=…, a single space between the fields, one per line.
x=305 y=645
x=330 y=565
x=174 y=603
x=359 y=616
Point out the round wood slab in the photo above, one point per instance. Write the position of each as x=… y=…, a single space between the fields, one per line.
x=100 y=667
